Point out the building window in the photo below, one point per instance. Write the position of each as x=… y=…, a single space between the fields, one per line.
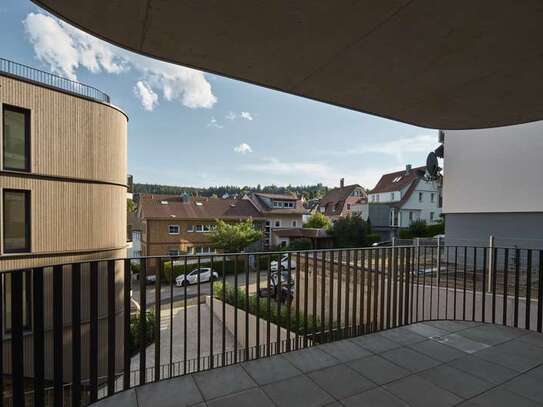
x=16 y=141
x=173 y=229
x=294 y=224
x=173 y=252
x=432 y=197
x=27 y=300
x=348 y=207
x=392 y=196
x=420 y=196
x=410 y=216
x=277 y=223
x=16 y=221
x=190 y=228
x=199 y=228
x=289 y=204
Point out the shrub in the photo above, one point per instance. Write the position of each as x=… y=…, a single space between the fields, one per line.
x=318 y=221
x=134 y=333
x=419 y=228
x=300 y=244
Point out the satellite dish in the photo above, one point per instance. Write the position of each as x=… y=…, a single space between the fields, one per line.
x=432 y=165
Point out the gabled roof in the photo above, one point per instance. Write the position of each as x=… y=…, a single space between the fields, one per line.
x=258 y=202
x=337 y=197
x=207 y=208
x=396 y=181
x=290 y=197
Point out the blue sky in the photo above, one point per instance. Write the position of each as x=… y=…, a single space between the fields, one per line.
x=196 y=129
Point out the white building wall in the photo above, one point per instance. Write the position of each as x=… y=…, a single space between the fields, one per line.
x=422 y=210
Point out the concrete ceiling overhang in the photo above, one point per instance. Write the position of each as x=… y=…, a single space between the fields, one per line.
x=439 y=64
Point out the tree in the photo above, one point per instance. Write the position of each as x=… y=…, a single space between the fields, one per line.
x=130 y=205
x=318 y=221
x=351 y=231
x=234 y=237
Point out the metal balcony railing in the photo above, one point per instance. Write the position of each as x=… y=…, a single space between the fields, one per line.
x=54 y=81
x=95 y=328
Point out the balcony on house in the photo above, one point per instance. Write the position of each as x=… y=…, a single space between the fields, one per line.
x=402 y=325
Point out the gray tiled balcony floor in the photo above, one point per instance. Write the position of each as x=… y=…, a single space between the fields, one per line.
x=439 y=363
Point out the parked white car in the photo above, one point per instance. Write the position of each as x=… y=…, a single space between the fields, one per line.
x=282 y=264
x=206 y=275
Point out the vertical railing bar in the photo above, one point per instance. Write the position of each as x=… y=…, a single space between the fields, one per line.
x=505 y=285
x=93 y=348
x=362 y=324
x=346 y=329
x=331 y=299
x=539 y=294
x=306 y=295
x=355 y=294
x=394 y=286
x=39 y=341
x=438 y=260
x=185 y=285
x=375 y=287
x=143 y=321
x=172 y=278
x=389 y=286
x=517 y=287
x=277 y=289
x=323 y=296
x=417 y=251
x=474 y=283
x=236 y=290
x=268 y=306
x=447 y=282
x=314 y=299
x=58 y=337
x=126 y=323
x=465 y=282
x=198 y=316
x=246 y=307
x=158 y=309
x=527 y=322
x=483 y=292
x=431 y=281
x=424 y=285
x=111 y=327
x=401 y=279
x=455 y=281
x=494 y=276
x=17 y=347
x=339 y=294
x=407 y=284
x=412 y=267
x=297 y=303
x=382 y=275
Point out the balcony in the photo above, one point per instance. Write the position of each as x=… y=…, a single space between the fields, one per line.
x=403 y=325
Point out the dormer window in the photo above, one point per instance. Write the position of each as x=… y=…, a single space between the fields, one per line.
x=397 y=179
x=173 y=229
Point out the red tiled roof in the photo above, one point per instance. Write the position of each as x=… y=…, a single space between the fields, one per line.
x=338 y=197
x=387 y=184
x=203 y=208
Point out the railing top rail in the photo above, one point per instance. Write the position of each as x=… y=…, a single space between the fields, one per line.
x=29 y=73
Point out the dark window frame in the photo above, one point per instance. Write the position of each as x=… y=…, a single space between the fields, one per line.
x=27 y=115
x=28 y=291
x=28 y=223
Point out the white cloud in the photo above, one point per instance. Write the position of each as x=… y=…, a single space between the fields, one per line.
x=243 y=148
x=214 y=123
x=231 y=116
x=146 y=95
x=65 y=49
x=246 y=116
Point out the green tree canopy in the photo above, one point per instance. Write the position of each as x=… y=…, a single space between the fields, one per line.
x=130 y=205
x=351 y=231
x=317 y=220
x=234 y=237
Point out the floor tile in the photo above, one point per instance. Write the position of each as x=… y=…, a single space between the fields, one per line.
x=461 y=343
x=166 y=393
x=402 y=335
x=527 y=386
x=533 y=338
x=483 y=369
x=426 y=330
x=374 y=398
x=450 y=326
x=310 y=359
x=220 y=382
x=487 y=334
x=419 y=392
x=410 y=360
x=456 y=381
x=298 y=391
x=345 y=350
x=515 y=355
x=123 y=399
x=247 y=398
x=537 y=372
x=272 y=369
x=341 y=381
x=499 y=398
x=379 y=369
x=375 y=343
x=438 y=351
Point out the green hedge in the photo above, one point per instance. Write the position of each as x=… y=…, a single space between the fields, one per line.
x=421 y=229
x=134 y=333
x=227 y=293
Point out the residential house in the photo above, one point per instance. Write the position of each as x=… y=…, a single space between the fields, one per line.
x=175 y=225
x=134 y=229
x=343 y=201
x=401 y=198
x=279 y=211
x=63 y=190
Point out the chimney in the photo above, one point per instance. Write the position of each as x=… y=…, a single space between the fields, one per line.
x=342 y=182
x=407 y=169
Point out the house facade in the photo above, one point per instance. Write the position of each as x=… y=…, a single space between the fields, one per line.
x=401 y=198
x=175 y=225
x=343 y=201
x=278 y=211
x=492 y=185
x=63 y=195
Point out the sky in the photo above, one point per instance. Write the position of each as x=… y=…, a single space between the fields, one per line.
x=192 y=128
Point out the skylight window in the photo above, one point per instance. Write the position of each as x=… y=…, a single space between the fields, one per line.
x=164 y=202
x=397 y=179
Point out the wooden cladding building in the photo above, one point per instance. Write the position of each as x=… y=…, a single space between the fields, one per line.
x=63 y=175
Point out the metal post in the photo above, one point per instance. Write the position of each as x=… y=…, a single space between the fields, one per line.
x=491 y=244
